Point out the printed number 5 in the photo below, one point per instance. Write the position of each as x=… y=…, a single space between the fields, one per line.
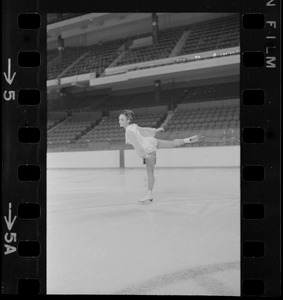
x=13 y=237
x=11 y=96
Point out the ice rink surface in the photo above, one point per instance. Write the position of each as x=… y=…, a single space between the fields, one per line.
x=100 y=240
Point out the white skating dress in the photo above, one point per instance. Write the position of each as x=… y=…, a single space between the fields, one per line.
x=141 y=138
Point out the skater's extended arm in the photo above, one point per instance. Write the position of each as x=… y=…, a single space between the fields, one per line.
x=148 y=131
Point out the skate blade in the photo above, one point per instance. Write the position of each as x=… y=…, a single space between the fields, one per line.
x=146 y=201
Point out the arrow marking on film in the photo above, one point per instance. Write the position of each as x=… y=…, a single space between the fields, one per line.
x=8 y=78
x=9 y=221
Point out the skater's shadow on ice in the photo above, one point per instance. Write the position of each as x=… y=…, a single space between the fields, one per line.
x=203 y=275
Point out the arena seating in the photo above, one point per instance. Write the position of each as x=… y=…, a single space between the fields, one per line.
x=54 y=118
x=210 y=110
x=98 y=58
x=118 y=102
x=215 y=34
x=106 y=130
x=200 y=110
x=211 y=92
x=133 y=101
x=51 y=55
x=69 y=56
x=218 y=121
x=174 y=96
x=106 y=102
x=73 y=128
x=167 y=40
x=109 y=130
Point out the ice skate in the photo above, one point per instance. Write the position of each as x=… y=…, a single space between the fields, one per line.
x=193 y=139
x=147 y=198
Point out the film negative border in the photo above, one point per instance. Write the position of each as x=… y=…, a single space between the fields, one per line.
x=24 y=149
x=24 y=110
x=259 y=121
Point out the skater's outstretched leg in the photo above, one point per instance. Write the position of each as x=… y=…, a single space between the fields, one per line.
x=170 y=144
x=177 y=142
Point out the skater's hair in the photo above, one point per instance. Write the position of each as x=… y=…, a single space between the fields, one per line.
x=130 y=115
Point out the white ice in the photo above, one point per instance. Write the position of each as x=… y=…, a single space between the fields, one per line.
x=100 y=240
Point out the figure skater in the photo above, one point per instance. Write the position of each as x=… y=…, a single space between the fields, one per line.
x=145 y=144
